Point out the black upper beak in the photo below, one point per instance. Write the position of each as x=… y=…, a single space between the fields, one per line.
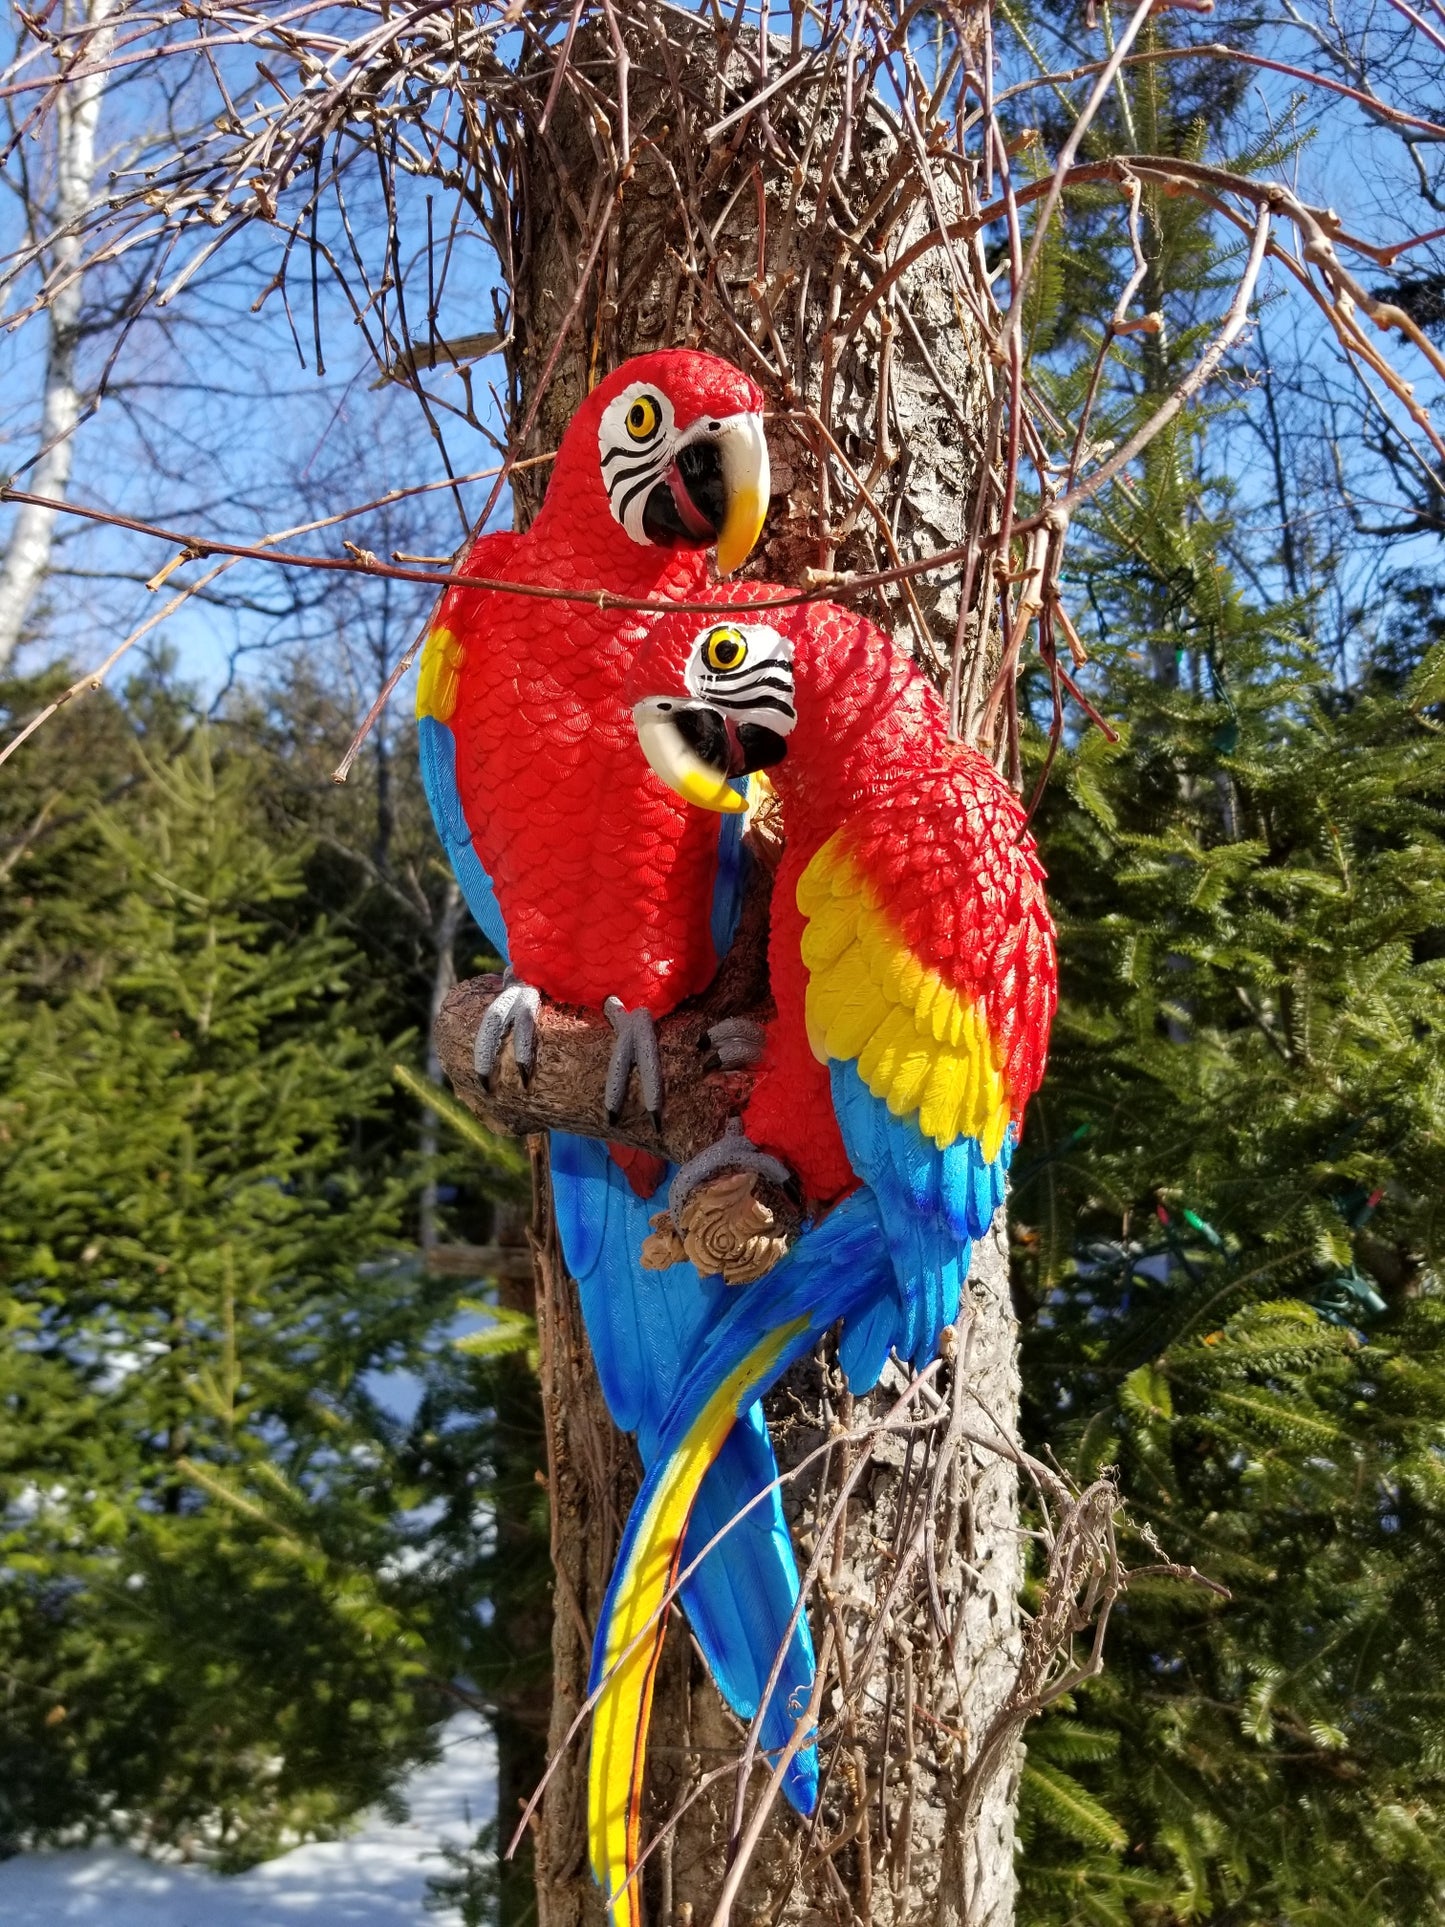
x=760 y=747
x=725 y=747
x=715 y=491
x=706 y=735
x=689 y=504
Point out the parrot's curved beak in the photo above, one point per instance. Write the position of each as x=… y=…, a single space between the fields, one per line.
x=687 y=745
x=716 y=489
x=697 y=751
x=746 y=486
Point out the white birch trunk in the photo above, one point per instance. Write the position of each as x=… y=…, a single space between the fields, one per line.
x=27 y=554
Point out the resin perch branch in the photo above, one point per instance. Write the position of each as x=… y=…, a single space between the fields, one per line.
x=565 y=1092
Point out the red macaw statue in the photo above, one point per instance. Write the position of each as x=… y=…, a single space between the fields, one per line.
x=912 y=962
x=598 y=886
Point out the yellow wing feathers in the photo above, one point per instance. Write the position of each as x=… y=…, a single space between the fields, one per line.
x=440 y=676
x=920 y=1045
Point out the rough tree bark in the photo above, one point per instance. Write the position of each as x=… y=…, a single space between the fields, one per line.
x=444 y=977
x=751 y=241
x=77 y=114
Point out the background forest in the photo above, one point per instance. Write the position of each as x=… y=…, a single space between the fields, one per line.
x=271 y=1501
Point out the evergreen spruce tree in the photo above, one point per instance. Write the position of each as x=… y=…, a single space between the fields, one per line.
x=1230 y=1241
x=1228 y=1236
x=240 y=1593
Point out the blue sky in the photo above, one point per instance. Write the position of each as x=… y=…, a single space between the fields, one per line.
x=215 y=423
x=218 y=420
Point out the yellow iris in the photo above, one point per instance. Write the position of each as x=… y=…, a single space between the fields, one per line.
x=725 y=649
x=642 y=418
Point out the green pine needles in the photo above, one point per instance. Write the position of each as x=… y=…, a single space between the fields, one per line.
x=236 y=1586
x=1230 y=1233
x=1227 y=1208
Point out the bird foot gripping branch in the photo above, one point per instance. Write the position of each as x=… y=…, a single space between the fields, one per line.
x=738 y=1202
x=715 y=1217
x=724 y=1228
x=731 y=1208
x=513 y=1013
x=635 y=1049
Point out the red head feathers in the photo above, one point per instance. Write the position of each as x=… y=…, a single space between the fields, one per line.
x=910 y=932
x=669 y=450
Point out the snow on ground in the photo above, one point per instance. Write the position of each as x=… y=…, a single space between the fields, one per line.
x=375 y=1878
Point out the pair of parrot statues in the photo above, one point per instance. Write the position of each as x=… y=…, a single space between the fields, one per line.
x=586 y=767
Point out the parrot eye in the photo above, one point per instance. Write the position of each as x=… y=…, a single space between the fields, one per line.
x=643 y=418
x=724 y=649
x=747 y=674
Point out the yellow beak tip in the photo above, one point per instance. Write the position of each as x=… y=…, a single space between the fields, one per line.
x=721 y=797
x=738 y=536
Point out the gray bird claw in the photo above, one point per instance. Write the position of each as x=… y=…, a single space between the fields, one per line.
x=734 y=1044
x=732 y=1152
x=513 y=1011
x=635 y=1048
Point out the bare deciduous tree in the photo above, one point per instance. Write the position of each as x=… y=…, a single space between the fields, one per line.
x=76 y=117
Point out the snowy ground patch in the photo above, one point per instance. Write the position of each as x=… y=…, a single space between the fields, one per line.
x=375 y=1878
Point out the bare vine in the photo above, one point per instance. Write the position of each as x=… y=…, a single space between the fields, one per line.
x=332 y=130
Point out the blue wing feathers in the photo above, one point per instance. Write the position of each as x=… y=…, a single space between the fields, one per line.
x=973 y=1188
x=438 y=749
x=863 y=1348
x=733 y=863
x=916 y=1163
x=932 y=1204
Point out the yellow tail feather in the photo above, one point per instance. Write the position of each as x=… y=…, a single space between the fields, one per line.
x=634 y=1637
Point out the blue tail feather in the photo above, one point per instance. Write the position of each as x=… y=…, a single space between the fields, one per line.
x=730 y=883
x=644 y=1326
x=841 y=1269
x=890 y=1262
x=758 y=1602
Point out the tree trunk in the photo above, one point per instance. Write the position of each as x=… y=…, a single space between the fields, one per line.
x=444 y=976
x=757 y=243
x=27 y=553
x=522 y=1703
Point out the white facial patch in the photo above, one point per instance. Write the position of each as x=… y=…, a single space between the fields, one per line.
x=636 y=440
x=745 y=670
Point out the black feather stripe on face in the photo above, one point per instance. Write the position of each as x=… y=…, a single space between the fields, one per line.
x=630 y=489
x=632 y=465
x=754 y=681
x=622 y=452
x=769 y=705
